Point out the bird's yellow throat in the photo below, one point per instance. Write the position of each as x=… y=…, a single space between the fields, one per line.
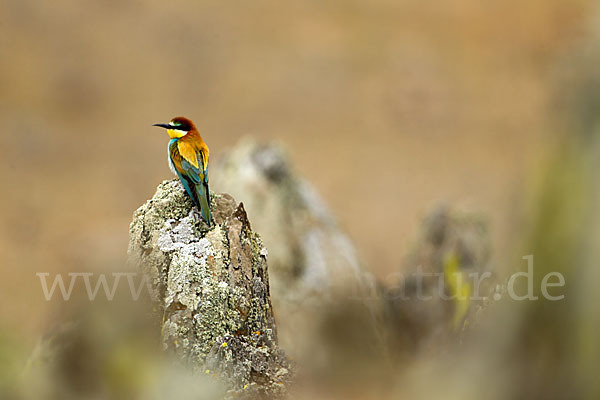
x=176 y=133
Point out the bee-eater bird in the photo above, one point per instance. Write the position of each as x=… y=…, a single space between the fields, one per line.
x=188 y=159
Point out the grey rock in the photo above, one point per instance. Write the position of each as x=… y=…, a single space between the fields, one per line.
x=212 y=288
x=312 y=262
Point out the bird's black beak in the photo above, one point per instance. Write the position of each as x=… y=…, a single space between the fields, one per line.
x=166 y=126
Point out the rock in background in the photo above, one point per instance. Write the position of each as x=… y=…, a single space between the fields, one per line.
x=447 y=267
x=312 y=262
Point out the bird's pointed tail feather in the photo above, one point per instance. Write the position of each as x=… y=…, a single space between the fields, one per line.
x=204 y=199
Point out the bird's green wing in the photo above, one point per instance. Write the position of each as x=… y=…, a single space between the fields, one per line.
x=199 y=179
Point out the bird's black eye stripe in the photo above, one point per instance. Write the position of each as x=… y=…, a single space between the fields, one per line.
x=181 y=126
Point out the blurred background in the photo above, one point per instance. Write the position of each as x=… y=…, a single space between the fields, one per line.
x=387 y=107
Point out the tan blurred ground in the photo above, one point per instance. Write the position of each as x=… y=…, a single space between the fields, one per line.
x=386 y=106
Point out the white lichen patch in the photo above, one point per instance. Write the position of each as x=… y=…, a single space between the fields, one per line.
x=264 y=252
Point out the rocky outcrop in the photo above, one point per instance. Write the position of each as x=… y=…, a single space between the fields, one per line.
x=212 y=287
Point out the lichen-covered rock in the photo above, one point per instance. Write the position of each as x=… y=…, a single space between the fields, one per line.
x=212 y=286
